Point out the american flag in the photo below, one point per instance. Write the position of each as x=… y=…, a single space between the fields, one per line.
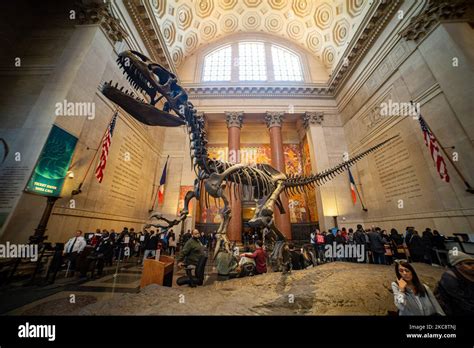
x=99 y=172
x=433 y=145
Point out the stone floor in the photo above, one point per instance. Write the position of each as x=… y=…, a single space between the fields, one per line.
x=67 y=295
x=337 y=288
x=16 y=298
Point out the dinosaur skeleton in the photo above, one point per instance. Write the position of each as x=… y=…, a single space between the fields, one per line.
x=220 y=179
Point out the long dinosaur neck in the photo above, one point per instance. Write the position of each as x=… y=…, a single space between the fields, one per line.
x=197 y=139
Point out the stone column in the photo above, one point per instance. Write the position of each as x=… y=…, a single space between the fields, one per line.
x=274 y=122
x=312 y=122
x=234 y=124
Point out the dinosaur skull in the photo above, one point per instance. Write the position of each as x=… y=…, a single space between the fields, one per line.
x=151 y=80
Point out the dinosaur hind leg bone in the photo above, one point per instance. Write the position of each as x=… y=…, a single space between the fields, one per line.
x=264 y=215
x=216 y=188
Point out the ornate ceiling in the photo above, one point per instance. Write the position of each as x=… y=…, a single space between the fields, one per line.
x=323 y=27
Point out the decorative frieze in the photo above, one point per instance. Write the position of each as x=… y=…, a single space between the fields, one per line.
x=209 y=91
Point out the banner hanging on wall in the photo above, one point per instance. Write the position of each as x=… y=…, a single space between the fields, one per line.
x=53 y=164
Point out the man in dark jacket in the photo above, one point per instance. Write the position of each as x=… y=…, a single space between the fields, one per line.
x=455 y=290
x=438 y=241
x=427 y=240
x=296 y=258
x=103 y=252
x=187 y=236
x=151 y=246
x=377 y=246
x=192 y=251
x=416 y=247
x=329 y=239
x=359 y=238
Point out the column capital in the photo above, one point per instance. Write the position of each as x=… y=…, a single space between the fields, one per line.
x=274 y=118
x=234 y=118
x=312 y=117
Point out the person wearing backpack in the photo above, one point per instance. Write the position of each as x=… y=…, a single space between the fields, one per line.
x=320 y=244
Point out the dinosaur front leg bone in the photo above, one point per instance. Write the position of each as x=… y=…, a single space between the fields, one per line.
x=270 y=203
x=225 y=218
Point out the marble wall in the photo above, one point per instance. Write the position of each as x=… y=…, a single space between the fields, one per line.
x=82 y=58
x=399 y=183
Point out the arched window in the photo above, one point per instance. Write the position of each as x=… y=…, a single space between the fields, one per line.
x=252 y=61
x=217 y=65
x=286 y=65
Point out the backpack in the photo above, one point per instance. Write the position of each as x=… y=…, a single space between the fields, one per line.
x=248 y=269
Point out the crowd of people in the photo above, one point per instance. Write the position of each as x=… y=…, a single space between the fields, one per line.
x=454 y=293
x=380 y=246
x=104 y=247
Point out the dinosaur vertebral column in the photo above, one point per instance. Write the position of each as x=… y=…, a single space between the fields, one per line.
x=274 y=122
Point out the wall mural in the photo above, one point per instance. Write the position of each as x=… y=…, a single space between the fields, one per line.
x=182 y=194
x=307 y=170
x=293 y=165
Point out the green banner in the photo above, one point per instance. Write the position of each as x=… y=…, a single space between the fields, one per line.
x=53 y=164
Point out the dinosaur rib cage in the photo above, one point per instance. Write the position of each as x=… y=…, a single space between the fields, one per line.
x=254 y=181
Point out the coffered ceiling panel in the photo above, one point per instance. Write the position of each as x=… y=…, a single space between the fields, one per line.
x=323 y=27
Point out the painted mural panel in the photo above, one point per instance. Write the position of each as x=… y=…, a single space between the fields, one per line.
x=310 y=194
x=294 y=165
x=182 y=194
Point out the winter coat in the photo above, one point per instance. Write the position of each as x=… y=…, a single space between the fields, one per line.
x=455 y=293
x=359 y=237
x=416 y=245
x=377 y=242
